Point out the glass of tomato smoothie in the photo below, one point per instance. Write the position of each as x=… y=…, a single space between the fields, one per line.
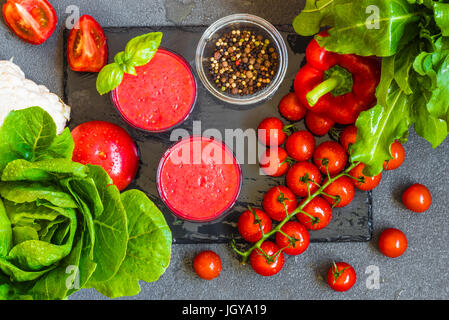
x=161 y=96
x=199 y=179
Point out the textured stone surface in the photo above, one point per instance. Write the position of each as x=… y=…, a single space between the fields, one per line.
x=421 y=273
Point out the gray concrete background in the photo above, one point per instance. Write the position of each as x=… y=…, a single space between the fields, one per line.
x=421 y=273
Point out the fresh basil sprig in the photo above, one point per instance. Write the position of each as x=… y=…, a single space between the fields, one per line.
x=138 y=52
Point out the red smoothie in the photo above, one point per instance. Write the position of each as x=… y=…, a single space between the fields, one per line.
x=160 y=96
x=199 y=179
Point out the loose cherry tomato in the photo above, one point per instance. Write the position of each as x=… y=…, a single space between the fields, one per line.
x=398 y=153
x=290 y=107
x=417 y=198
x=317 y=124
x=109 y=146
x=271 y=132
x=333 y=155
x=341 y=276
x=251 y=222
x=268 y=260
x=342 y=188
x=87 y=49
x=275 y=162
x=318 y=214
x=300 y=145
x=274 y=200
x=31 y=20
x=297 y=241
x=392 y=242
x=348 y=137
x=368 y=183
x=303 y=176
x=207 y=265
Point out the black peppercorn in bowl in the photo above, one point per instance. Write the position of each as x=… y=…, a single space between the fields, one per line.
x=241 y=59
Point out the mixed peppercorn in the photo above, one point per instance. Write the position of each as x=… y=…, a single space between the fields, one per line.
x=243 y=62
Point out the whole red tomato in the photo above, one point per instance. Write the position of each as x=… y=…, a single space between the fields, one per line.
x=348 y=137
x=417 y=198
x=330 y=156
x=318 y=124
x=31 y=20
x=275 y=162
x=271 y=132
x=268 y=260
x=392 y=242
x=109 y=146
x=302 y=178
x=341 y=276
x=290 y=107
x=366 y=183
x=300 y=145
x=251 y=222
x=316 y=215
x=342 y=188
x=294 y=238
x=398 y=153
x=274 y=201
x=207 y=265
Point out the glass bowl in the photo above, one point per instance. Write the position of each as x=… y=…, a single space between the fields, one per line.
x=206 y=46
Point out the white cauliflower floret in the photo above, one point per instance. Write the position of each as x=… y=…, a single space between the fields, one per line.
x=17 y=92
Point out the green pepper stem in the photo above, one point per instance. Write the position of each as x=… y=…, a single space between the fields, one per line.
x=322 y=89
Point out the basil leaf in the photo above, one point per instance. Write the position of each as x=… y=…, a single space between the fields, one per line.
x=140 y=50
x=109 y=78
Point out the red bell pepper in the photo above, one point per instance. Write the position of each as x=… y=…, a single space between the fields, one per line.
x=339 y=86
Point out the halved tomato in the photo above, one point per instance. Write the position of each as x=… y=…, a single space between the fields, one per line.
x=87 y=49
x=31 y=20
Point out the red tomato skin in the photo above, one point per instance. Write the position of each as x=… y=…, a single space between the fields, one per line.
x=398 y=153
x=343 y=187
x=249 y=229
x=274 y=162
x=335 y=155
x=109 y=146
x=417 y=198
x=300 y=145
x=85 y=61
x=345 y=280
x=370 y=182
x=348 y=137
x=317 y=208
x=295 y=230
x=259 y=263
x=392 y=243
x=290 y=107
x=274 y=208
x=207 y=265
x=44 y=5
x=270 y=132
x=317 y=124
x=298 y=171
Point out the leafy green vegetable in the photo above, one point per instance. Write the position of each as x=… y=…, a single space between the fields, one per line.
x=65 y=226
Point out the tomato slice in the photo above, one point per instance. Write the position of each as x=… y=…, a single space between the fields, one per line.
x=31 y=20
x=87 y=49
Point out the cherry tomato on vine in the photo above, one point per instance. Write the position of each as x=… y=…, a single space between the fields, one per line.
x=317 y=214
x=290 y=107
x=398 y=153
x=268 y=260
x=274 y=200
x=275 y=162
x=294 y=238
x=417 y=198
x=303 y=176
x=333 y=155
x=317 y=124
x=368 y=183
x=33 y=21
x=207 y=265
x=251 y=222
x=348 y=137
x=341 y=276
x=109 y=146
x=392 y=242
x=343 y=188
x=300 y=145
x=271 y=132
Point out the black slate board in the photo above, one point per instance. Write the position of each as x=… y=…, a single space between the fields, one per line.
x=352 y=223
